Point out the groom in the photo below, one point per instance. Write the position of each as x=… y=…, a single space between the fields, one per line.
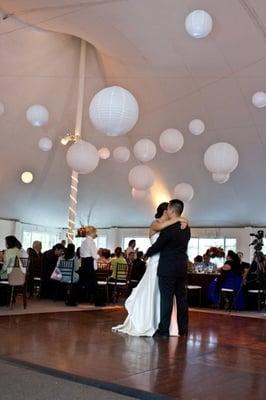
x=172 y=270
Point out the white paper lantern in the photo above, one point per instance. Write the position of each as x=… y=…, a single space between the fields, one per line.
x=140 y=194
x=45 y=144
x=114 y=111
x=220 y=178
x=221 y=158
x=82 y=157
x=259 y=99
x=144 y=150
x=199 y=24
x=121 y=154
x=141 y=177
x=171 y=140
x=184 y=191
x=2 y=108
x=37 y=115
x=104 y=153
x=196 y=127
x=26 y=177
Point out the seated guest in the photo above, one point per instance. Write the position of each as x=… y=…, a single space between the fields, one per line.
x=230 y=278
x=198 y=260
x=35 y=265
x=49 y=261
x=138 y=267
x=105 y=257
x=206 y=265
x=244 y=265
x=87 y=271
x=11 y=254
x=118 y=259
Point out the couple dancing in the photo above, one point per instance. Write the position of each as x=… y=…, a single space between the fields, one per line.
x=158 y=305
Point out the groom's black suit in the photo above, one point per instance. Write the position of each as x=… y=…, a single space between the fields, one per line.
x=172 y=271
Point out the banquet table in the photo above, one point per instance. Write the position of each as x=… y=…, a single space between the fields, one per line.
x=203 y=280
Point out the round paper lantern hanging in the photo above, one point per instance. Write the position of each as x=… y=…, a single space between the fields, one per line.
x=144 y=150
x=45 y=144
x=26 y=177
x=184 y=191
x=82 y=157
x=171 y=140
x=221 y=158
x=114 y=111
x=104 y=153
x=259 y=99
x=196 y=127
x=141 y=177
x=139 y=194
x=2 y=108
x=199 y=24
x=220 y=178
x=121 y=154
x=37 y=115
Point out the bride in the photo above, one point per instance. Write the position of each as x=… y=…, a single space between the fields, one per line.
x=143 y=305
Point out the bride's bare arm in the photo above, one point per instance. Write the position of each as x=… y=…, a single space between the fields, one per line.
x=157 y=226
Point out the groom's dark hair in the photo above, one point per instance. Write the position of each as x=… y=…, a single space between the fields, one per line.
x=177 y=206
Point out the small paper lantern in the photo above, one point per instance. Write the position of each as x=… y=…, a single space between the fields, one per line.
x=196 y=127
x=259 y=99
x=184 y=191
x=45 y=144
x=37 y=115
x=114 y=111
x=26 y=177
x=141 y=177
x=82 y=157
x=221 y=158
x=171 y=140
x=2 y=108
x=220 y=178
x=121 y=154
x=104 y=153
x=139 y=194
x=199 y=24
x=144 y=150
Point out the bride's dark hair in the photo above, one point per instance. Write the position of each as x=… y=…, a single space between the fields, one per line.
x=161 y=209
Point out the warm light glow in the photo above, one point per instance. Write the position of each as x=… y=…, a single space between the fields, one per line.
x=159 y=193
x=27 y=177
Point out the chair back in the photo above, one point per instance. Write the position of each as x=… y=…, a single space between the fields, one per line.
x=122 y=271
x=67 y=270
x=16 y=276
x=103 y=271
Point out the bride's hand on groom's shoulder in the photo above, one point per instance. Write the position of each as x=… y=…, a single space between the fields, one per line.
x=183 y=223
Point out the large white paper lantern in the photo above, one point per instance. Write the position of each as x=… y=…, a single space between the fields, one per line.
x=26 y=177
x=184 y=191
x=82 y=157
x=144 y=150
x=221 y=158
x=196 y=127
x=220 y=178
x=140 y=194
x=141 y=177
x=259 y=99
x=37 y=115
x=2 y=108
x=198 y=24
x=45 y=144
x=104 y=153
x=171 y=140
x=121 y=154
x=114 y=111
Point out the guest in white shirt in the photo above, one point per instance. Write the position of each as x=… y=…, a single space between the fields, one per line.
x=88 y=254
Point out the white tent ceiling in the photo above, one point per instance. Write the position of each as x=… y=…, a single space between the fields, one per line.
x=141 y=45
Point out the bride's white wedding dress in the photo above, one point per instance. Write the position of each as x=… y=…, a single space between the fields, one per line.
x=143 y=305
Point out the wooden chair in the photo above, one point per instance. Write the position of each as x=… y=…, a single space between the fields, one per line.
x=193 y=289
x=102 y=274
x=67 y=268
x=17 y=281
x=121 y=282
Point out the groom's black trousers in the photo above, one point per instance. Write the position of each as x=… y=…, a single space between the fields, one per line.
x=170 y=287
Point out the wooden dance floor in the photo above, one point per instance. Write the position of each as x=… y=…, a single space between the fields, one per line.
x=224 y=356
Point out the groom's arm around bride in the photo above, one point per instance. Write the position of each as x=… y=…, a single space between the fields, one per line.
x=172 y=270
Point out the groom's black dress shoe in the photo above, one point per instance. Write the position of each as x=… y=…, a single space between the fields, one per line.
x=161 y=335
